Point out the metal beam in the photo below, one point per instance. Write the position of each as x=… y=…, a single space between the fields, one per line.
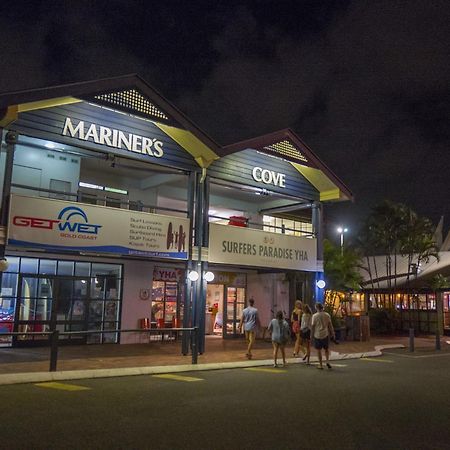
x=286 y=208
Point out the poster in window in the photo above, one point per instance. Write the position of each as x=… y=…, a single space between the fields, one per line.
x=110 y=310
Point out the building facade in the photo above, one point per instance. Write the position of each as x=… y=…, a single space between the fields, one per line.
x=112 y=200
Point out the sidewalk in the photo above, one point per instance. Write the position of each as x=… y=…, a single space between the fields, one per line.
x=25 y=365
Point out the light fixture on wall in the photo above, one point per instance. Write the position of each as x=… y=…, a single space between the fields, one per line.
x=320 y=284
x=209 y=276
x=193 y=275
x=4 y=264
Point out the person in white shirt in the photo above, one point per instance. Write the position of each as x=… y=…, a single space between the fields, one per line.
x=321 y=331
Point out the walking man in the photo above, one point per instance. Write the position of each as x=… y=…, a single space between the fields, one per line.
x=321 y=331
x=250 y=322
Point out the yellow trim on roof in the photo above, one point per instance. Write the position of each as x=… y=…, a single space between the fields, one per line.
x=327 y=189
x=10 y=116
x=202 y=154
x=41 y=104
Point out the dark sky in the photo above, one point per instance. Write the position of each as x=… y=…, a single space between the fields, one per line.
x=364 y=83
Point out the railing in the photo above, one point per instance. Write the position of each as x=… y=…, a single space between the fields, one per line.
x=137 y=205
x=258 y=225
x=54 y=338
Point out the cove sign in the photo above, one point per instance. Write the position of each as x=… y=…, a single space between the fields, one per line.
x=267 y=176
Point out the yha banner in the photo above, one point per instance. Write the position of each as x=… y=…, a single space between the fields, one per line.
x=60 y=225
x=247 y=247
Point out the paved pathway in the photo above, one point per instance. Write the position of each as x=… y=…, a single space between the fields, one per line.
x=90 y=361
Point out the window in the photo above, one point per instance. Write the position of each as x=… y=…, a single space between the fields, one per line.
x=286 y=226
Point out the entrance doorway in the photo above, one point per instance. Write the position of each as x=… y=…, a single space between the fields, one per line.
x=233 y=307
x=225 y=306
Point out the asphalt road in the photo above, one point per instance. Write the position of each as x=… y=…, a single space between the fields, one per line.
x=397 y=401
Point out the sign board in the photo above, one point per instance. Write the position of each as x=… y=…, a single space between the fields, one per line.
x=249 y=247
x=60 y=225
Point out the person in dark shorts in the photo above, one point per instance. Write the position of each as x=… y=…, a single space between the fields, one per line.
x=321 y=331
x=305 y=330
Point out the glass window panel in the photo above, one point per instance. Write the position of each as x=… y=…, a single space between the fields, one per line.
x=29 y=265
x=111 y=310
x=43 y=309
x=27 y=308
x=80 y=288
x=78 y=310
x=106 y=269
x=65 y=267
x=47 y=267
x=9 y=284
x=13 y=263
x=94 y=338
x=7 y=307
x=29 y=287
x=112 y=289
x=45 y=288
x=98 y=287
x=64 y=299
x=96 y=311
x=82 y=268
x=110 y=338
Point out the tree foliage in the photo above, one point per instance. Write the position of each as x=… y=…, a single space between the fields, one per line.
x=395 y=230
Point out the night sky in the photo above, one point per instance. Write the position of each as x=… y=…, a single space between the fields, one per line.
x=364 y=83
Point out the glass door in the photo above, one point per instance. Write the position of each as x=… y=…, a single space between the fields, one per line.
x=165 y=301
x=233 y=307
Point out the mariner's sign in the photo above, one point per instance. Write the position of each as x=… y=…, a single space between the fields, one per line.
x=112 y=137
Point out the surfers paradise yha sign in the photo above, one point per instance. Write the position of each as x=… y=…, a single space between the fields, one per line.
x=113 y=138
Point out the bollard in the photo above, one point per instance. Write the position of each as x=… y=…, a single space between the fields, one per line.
x=54 y=337
x=411 y=339
x=438 y=340
x=194 y=335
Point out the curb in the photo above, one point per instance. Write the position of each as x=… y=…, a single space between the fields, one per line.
x=41 y=377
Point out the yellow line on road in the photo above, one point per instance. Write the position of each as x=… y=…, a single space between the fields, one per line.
x=170 y=376
x=263 y=369
x=377 y=360
x=62 y=386
x=332 y=364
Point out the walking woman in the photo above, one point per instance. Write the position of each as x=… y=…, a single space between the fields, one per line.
x=296 y=318
x=305 y=330
x=280 y=335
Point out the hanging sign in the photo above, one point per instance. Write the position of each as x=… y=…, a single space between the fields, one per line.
x=249 y=247
x=60 y=225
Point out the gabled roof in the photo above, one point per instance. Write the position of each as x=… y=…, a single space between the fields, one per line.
x=128 y=93
x=287 y=145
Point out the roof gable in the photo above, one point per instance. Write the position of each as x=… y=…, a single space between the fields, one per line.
x=287 y=145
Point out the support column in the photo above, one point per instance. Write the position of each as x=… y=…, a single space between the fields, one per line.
x=440 y=312
x=188 y=317
x=11 y=141
x=317 y=223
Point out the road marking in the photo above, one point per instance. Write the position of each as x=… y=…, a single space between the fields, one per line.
x=418 y=356
x=331 y=363
x=171 y=376
x=377 y=360
x=264 y=369
x=62 y=386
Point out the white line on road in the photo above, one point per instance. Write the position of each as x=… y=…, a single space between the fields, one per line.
x=418 y=356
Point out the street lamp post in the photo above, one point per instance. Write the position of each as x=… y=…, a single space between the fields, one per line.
x=341 y=231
